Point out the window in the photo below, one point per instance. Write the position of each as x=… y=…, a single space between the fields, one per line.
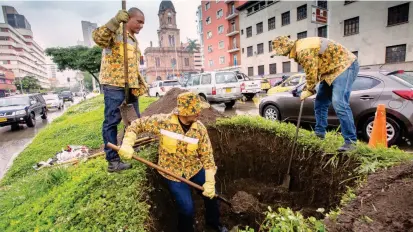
x=220 y=13
x=221 y=29
x=351 y=26
x=363 y=83
x=302 y=12
x=242 y=50
x=285 y=18
x=242 y=31
x=221 y=59
x=348 y=2
x=302 y=35
x=186 y=61
x=398 y=14
x=250 y=71
x=195 y=80
x=322 y=3
x=271 y=23
x=356 y=53
x=260 y=48
x=322 y=31
x=270 y=46
x=287 y=67
x=207 y=6
x=208 y=20
x=209 y=48
x=300 y=68
x=206 y=79
x=249 y=51
x=209 y=35
x=220 y=44
x=225 y=77
x=261 y=70
x=396 y=53
x=157 y=62
x=249 y=32
x=259 y=28
x=173 y=62
x=273 y=68
x=211 y=63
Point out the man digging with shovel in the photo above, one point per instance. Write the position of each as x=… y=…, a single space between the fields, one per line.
x=113 y=74
x=185 y=150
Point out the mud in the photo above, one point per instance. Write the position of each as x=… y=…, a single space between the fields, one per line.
x=252 y=167
x=384 y=203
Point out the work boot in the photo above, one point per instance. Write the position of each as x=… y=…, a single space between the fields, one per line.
x=117 y=165
x=347 y=147
x=322 y=137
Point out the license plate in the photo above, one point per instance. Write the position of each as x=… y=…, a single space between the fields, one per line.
x=228 y=90
x=3 y=119
x=49 y=104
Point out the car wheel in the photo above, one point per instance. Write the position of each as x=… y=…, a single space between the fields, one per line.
x=249 y=96
x=203 y=97
x=392 y=127
x=44 y=115
x=230 y=104
x=157 y=95
x=15 y=127
x=31 y=120
x=272 y=113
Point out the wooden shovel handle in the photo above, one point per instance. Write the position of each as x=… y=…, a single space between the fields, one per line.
x=125 y=56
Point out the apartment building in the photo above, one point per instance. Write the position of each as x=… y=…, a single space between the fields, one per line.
x=18 y=51
x=6 y=82
x=379 y=33
x=87 y=29
x=221 y=34
x=199 y=65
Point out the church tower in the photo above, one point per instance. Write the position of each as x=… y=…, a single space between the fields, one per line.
x=168 y=32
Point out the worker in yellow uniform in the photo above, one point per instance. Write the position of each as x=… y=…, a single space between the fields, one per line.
x=185 y=149
x=335 y=68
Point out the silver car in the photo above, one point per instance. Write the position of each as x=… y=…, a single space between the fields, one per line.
x=393 y=89
x=216 y=87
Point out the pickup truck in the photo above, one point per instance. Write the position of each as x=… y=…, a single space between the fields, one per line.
x=248 y=86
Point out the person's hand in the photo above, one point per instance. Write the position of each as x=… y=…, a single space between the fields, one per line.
x=305 y=94
x=209 y=185
x=122 y=16
x=126 y=151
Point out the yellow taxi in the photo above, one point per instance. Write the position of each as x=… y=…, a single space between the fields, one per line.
x=288 y=84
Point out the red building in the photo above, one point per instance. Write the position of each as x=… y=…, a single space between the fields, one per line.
x=6 y=82
x=221 y=35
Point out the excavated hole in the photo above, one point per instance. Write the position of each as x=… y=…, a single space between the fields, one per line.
x=251 y=166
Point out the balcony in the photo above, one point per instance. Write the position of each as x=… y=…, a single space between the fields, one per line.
x=231 y=14
x=232 y=30
x=233 y=48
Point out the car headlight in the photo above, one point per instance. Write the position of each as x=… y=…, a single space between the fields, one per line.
x=20 y=112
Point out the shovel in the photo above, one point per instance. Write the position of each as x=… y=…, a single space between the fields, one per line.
x=127 y=111
x=287 y=178
x=161 y=169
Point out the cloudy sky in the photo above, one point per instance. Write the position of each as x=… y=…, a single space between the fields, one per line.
x=57 y=23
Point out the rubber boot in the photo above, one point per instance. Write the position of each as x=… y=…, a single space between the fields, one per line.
x=117 y=165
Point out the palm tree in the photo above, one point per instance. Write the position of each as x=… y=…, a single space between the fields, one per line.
x=192 y=46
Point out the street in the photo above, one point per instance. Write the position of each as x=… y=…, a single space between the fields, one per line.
x=14 y=142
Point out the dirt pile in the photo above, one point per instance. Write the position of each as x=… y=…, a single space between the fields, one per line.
x=167 y=103
x=243 y=202
x=385 y=203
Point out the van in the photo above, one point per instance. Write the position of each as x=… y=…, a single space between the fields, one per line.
x=159 y=88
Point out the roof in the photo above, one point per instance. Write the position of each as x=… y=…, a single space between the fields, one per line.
x=166 y=5
x=245 y=5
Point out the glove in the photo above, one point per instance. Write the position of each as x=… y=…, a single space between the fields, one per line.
x=305 y=94
x=121 y=17
x=126 y=150
x=209 y=185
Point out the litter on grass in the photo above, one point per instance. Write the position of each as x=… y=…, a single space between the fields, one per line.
x=71 y=153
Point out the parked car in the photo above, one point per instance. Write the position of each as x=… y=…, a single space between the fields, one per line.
x=159 y=88
x=393 y=89
x=22 y=109
x=216 y=87
x=249 y=87
x=288 y=84
x=54 y=101
x=66 y=96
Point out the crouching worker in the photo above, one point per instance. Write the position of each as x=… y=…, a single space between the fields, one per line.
x=185 y=149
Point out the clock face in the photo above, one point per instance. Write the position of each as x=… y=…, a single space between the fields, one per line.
x=169 y=14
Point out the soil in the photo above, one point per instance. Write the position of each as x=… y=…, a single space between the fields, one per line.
x=384 y=203
x=167 y=104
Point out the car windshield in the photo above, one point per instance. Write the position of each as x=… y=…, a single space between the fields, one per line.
x=66 y=93
x=405 y=76
x=170 y=83
x=227 y=77
x=14 y=101
x=50 y=97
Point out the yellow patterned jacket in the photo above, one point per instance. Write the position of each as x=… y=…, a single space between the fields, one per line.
x=112 y=71
x=322 y=59
x=183 y=154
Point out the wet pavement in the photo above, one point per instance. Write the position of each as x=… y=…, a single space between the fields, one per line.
x=14 y=142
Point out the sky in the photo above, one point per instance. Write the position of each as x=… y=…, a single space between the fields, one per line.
x=57 y=23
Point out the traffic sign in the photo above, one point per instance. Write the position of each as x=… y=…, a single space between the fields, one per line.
x=319 y=15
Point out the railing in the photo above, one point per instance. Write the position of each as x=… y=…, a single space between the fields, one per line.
x=232 y=12
x=232 y=29
x=233 y=47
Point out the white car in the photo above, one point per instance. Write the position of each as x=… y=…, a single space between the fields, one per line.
x=53 y=101
x=159 y=88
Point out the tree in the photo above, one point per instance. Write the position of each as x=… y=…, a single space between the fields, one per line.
x=192 y=45
x=29 y=83
x=88 y=81
x=77 y=58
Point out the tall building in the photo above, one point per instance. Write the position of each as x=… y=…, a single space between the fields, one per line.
x=170 y=59
x=199 y=31
x=198 y=61
x=221 y=35
x=379 y=33
x=6 y=82
x=18 y=51
x=88 y=28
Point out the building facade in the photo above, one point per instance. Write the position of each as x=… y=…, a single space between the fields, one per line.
x=87 y=29
x=170 y=59
x=18 y=51
x=7 y=86
x=379 y=33
x=221 y=35
x=199 y=31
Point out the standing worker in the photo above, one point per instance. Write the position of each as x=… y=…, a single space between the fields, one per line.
x=185 y=149
x=335 y=68
x=110 y=38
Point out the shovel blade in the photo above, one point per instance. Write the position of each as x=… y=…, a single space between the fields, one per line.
x=286 y=182
x=128 y=114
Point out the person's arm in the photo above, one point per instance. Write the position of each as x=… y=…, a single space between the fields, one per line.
x=104 y=36
x=308 y=59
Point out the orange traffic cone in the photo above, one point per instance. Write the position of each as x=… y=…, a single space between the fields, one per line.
x=378 y=136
